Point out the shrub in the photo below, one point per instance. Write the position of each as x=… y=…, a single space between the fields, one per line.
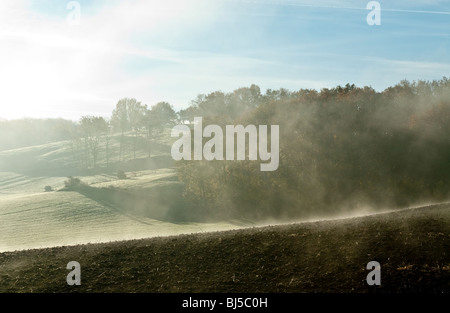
x=72 y=182
x=121 y=174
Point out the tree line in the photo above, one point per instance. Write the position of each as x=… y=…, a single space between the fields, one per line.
x=342 y=148
x=129 y=117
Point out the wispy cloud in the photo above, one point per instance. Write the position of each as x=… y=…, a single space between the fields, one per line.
x=353 y=5
x=173 y=50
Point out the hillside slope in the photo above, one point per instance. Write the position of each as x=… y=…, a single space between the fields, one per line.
x=411 y=245
x=140 y=206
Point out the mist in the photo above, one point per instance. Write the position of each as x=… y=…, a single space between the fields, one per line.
x=343 y=152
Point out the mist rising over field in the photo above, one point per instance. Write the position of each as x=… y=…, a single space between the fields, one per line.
x=344 y=151
x=224 y=146
x=341 y=149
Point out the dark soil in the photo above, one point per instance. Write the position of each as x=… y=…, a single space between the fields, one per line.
x=412 y=247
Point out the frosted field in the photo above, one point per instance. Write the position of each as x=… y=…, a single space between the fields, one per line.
x=31 y=218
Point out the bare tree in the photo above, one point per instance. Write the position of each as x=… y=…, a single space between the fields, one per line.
x=93 y=128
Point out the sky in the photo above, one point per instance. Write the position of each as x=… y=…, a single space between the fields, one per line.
x=73 y=58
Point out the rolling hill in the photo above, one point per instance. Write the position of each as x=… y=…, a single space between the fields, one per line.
x=107 y=209
x=411 y=245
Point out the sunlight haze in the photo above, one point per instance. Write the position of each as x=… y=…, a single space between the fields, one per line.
x=174 y=50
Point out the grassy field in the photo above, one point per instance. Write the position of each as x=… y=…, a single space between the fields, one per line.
x=32 y=218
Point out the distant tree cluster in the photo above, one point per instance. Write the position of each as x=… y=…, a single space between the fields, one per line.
x=340 y=148
x=130 y=118
x=225 y=105
x=131 y=115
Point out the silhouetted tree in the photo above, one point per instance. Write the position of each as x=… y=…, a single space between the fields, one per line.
x=128 y=115
x=93 y=128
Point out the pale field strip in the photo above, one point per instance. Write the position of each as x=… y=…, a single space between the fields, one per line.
x=31 y=218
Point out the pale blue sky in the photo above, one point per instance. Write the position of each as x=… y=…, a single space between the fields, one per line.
x=173 y=50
